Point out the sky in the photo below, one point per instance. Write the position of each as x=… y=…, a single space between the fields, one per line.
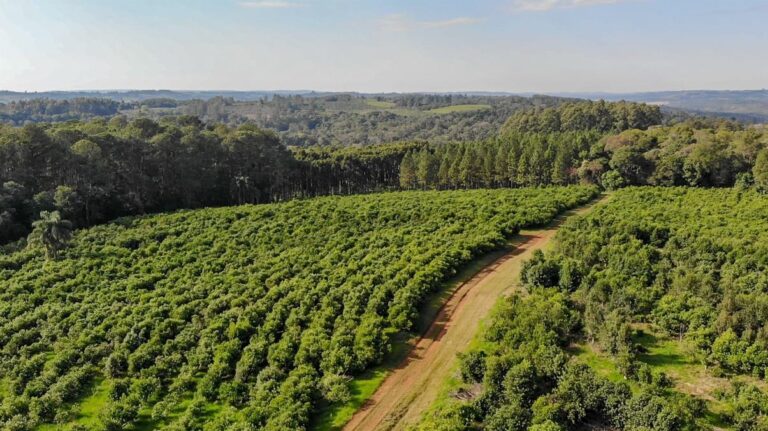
x=544 y=46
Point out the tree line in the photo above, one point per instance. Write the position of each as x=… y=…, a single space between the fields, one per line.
x=585 y=115
x=679 y=155
x=514 y=160
x=46 y=110
x=301 y=120
x=98 y=170
x=95 y=171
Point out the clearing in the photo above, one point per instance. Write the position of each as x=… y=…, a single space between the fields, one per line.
x=458 y=108
x=672 y=357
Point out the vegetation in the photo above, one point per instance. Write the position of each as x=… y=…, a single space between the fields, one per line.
x=688 y=264
x=236 y=318
x=347 y=119
x=257 y=316
x=522 y=379
x=584 y=115
x=39 y=110
x=96 y=171
x=299 y=120
x=514 y=160
x=51 y=232
x=678 y=155
x=458 y=108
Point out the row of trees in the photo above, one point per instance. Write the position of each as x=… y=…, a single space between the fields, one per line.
x=39 y=110
x=515 y=160
x=664 y=156
x=585 y=115
x=96 y=171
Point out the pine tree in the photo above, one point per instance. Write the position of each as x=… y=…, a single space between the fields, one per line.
x=444 y=172
x=426 y=169
x=560 y=168
x=408 y=171
x=522 y=175
x=501 y=173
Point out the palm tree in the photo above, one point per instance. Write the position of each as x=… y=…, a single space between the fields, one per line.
x=52 y=232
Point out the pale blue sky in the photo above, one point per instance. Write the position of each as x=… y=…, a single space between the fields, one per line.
x=384 y=45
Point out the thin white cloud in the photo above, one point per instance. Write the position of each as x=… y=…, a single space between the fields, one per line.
x=400 y=22
x=547 y=5
x=269 y=4
x=463 y=20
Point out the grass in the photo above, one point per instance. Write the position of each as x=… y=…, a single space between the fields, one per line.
x=458 y=108
x=362 y=387
x=601 y=364
x=93 y=404
x=89 y=408
x=671 y=357
x=95 y=401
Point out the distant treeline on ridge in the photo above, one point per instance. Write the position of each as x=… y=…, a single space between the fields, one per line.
x=95 y=171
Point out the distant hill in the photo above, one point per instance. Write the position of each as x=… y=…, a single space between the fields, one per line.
x=141 y=95
x=746 y=105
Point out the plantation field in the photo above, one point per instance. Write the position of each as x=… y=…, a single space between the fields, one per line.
x=216 y=318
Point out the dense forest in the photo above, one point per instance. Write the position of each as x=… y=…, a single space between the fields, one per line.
x=45 y=110
x=663 y=292
x=304 y=120
x=96 y=171
x=683 y=154
x=355 y=120
x=235 y=318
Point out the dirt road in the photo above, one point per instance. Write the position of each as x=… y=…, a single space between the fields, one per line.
x=415 y=384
